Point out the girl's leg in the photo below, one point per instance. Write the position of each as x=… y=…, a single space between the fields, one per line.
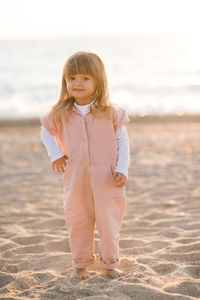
x=109 y=202
x=79 y=215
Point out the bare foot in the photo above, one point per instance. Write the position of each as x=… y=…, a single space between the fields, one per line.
x=79 y=273
x=113 y=273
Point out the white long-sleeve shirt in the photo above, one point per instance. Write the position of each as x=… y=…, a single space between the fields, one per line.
x=123 y=149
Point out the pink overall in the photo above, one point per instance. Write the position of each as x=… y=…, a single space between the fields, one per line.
x=90 y=193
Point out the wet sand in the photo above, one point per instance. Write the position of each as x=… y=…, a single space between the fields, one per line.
x=160 y=234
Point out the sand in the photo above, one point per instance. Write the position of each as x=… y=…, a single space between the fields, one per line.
x=160 y=235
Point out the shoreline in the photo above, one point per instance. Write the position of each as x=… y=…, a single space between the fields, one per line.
x=9 y=122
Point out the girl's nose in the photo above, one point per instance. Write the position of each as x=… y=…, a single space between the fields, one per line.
x=77 y=81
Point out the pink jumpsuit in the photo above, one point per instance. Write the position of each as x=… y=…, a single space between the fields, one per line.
x=90 y=192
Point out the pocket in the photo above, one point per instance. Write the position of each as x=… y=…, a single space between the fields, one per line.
x=63 y=176
x=112 y=169
x=65 y=171
x=111 y=173
x=68 y=175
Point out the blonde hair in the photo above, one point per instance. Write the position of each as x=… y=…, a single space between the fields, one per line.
x=83 y=62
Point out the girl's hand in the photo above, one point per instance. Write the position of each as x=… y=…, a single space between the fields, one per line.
x=120 y=179
x=59 y=164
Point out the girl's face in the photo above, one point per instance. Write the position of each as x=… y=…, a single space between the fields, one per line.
x=82 y=87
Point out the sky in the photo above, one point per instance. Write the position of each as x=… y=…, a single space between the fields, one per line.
x=57 y=18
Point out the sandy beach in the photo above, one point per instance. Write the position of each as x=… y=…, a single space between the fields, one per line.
x=159 y=237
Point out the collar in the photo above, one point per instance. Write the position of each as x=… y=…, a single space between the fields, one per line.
x=75 y=106
x=85 y=104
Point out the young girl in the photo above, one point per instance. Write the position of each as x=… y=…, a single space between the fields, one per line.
x=94 y=155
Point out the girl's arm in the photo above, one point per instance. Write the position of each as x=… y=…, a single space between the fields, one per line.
x=53 y=149
x=123 y=151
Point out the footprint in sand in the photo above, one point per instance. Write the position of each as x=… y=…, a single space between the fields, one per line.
x=127 y=243
x=163 y=269
x=193 y=272
x=32 y=239
x=5 y=279
x=185 y=288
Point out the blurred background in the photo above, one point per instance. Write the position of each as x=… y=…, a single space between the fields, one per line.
x=150 y=49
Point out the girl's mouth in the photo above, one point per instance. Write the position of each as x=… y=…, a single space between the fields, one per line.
x=78 y=90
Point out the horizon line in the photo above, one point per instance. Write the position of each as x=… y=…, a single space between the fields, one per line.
x=87 y=35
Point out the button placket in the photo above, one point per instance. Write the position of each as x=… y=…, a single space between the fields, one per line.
x=84 y=120
x=86 y=137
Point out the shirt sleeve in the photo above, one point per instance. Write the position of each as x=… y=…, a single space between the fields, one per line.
x=49 y=142
x=120 y=117
x=123 y=151
x=49 y=123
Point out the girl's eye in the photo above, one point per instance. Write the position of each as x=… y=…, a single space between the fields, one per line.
x=73 y=78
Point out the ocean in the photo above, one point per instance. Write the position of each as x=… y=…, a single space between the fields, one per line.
x=147 y=73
